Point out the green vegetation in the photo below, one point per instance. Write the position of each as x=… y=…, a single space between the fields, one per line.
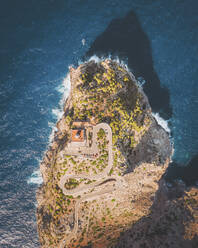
x=95 y=165
x=104 y=93
x=101 y=133
x=71 y=183
x=111 y=172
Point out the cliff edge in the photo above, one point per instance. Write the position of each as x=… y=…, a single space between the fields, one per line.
x=103 y=173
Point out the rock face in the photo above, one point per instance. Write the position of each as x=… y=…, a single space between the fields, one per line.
x=172 y=221
x=108 y=179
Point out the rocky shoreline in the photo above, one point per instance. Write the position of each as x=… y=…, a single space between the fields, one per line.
x=141 y=149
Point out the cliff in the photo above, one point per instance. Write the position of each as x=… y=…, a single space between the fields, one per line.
x=103 y=173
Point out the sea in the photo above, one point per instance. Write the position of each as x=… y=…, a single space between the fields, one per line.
x=39 y=40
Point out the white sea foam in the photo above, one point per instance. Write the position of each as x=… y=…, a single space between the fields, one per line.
x=173 y=150
x=161 y=122
x=64 y=88
x=51 y=137
x=57 y=112
x=35 y=178
x=164 y=124
x=83 y=41
x=122 y=63
x=140 y=82
x=116 y=59
x=96 y=58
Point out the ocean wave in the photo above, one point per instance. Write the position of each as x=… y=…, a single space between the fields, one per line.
x=58 y=112
x=140 y=81
x=110 y=57
x=51 y=136
x=163 y=123
x=83 y=41
x=35 y=178
x=64 y=88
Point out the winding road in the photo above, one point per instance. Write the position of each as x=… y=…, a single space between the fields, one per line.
x=100 y=179
x=103 y=174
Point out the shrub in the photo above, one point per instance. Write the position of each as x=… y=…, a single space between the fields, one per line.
x=101 y=133
x=71 y=183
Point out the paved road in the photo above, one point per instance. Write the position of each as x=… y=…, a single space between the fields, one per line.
x=78 y=150
x=89 y=197
x=100 y=178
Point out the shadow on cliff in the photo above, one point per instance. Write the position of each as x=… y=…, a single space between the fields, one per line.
x=126 y=39
x=166 y=225
x=153 y=148
x=187 y=173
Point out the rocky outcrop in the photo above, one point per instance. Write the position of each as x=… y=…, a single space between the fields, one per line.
x=110 y=198
x=171 y=222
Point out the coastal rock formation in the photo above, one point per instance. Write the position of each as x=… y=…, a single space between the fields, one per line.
x=171 y=222
x=103 y=173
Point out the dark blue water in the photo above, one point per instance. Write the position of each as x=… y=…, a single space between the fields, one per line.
x=40 y=39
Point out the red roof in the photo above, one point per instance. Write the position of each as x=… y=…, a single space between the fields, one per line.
x=77 y=135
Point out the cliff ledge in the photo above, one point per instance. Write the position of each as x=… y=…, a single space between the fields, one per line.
x=103 y=180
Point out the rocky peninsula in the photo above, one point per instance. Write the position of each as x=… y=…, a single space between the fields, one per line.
x=103 y=175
